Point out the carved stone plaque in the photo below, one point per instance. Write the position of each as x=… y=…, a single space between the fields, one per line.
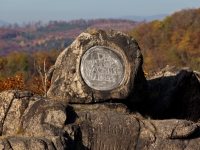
x=102 y=68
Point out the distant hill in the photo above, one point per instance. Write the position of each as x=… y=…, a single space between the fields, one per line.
x=175 y=40
x=36 y=37
x=3 y=23
x=145 y=18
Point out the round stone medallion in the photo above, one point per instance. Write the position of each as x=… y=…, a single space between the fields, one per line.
x=102 y=68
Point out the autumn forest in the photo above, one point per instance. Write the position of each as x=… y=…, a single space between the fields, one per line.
x=173 y=41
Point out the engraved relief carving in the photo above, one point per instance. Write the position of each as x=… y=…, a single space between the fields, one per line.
x=102 y=68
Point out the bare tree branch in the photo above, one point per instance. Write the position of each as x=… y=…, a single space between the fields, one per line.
x=43 y=76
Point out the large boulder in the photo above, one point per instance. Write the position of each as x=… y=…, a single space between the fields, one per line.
x=31 y=122
x=111 y=127
x=174 y=93
x=34 y=122
x=99 y=66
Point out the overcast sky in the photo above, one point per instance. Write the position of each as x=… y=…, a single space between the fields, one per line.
x=34 y=10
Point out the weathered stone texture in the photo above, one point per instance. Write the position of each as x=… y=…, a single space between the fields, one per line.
x=46 y=124
x=108 y=129
x=173 y=93
x=68 y=84
x=31 y=122
x=78 y=116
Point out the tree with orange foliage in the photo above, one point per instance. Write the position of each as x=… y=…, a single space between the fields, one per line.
x=13 y=83
x=40 y=89
x=172 y=41
x=17 y=83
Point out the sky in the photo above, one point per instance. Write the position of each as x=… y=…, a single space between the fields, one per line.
x=19 y=11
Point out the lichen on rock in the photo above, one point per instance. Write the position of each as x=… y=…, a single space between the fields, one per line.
x=68 y=84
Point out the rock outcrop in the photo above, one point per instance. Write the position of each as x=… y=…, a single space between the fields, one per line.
x=174 y=93
x=99 y=100
x=97 y=67
x=31 y=122
x=34 y=122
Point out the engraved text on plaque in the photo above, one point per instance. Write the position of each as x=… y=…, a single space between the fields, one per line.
x=102 y=68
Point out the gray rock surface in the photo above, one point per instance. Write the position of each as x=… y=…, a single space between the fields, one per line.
x=83 y=116
x=67 y=81
x=34 y=122
x=197 y=75
x=174 y=93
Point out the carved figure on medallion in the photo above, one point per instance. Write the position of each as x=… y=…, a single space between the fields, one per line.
x=102 y=68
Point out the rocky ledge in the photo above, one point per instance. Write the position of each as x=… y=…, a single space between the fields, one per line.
x=100 y=100
x=34 y=122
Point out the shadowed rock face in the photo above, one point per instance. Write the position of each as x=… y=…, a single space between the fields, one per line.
x=97 y=67
x=33 y=122
x=174 y=93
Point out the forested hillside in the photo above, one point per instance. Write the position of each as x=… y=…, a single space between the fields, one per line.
x=38 y=37
x=22 y=47
x=172 y=41
x=21 y=69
